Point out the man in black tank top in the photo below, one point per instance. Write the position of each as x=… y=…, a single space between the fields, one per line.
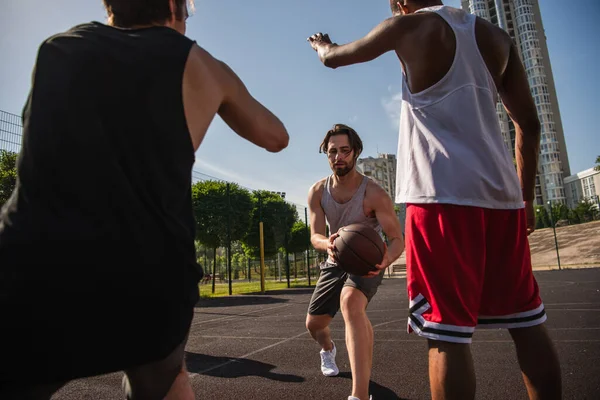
x=98 y=269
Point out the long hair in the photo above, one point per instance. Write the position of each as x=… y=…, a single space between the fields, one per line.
x=341 y=129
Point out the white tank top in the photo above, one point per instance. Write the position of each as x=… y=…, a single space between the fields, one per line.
x=450 y=147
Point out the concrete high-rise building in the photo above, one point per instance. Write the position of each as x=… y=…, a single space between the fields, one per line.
x=522 y=20
x=583 y=186
x=382 y=170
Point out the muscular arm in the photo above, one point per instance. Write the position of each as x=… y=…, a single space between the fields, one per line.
x=380 y=40
x=386 y=216
x=317 y=218
x=520 y=106
x=243 y=113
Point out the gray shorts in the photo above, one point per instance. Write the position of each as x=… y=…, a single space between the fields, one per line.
x=326 y=297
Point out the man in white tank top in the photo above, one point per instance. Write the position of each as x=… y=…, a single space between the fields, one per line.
x=468 y=211
x=345 y=198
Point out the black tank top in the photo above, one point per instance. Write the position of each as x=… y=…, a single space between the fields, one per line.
x=103 y=208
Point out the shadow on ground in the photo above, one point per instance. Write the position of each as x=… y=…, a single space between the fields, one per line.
x=238 y=300
x=375 y=389
x=228 y=367
x=283 y=292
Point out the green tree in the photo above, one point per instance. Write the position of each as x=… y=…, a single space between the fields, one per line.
x=8 y=175
x=278 y=217
x=559 y=212
x=215 y=210
x=298 y=238
x=597 y=167
x=298 y=241
x=574 y=218
x=542 y=219
x=585 y=211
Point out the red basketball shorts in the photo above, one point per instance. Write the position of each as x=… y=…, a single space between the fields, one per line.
x=467 y=267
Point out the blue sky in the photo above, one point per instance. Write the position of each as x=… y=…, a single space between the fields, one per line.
x=268 y=50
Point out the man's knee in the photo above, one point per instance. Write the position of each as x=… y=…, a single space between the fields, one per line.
x=353 y=302
x=316 y=323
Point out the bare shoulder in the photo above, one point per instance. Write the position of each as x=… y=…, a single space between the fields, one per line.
x=375 y=192
x=318 y=186
x=201 y=61
x=316 y=190
x=486 y=27
x=494 y=45
x=491 y=37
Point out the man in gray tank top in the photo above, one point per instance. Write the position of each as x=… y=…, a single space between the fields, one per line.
x=344 y=198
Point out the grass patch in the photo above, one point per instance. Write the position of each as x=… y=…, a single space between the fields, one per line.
x=222 y=289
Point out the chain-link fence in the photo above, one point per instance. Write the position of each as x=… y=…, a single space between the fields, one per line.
x=247 y=240
x=252 y=240
x=11 y=130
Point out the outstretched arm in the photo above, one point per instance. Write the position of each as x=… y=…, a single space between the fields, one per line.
x=380 y=40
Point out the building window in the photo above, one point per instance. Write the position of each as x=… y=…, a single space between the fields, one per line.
x=589 y=188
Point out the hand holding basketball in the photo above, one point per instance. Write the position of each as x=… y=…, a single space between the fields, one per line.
x=383 y=265
x=331 y=246
x=359 y=249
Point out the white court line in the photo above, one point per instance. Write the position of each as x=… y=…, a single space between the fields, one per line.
x=388 y=310
x=495 y=330
x=238 y=315
x=283 y=340
x=388 y=322
x=193 y=375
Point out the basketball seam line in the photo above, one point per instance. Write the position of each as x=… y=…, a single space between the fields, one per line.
x=369 y=239
x=353 y=252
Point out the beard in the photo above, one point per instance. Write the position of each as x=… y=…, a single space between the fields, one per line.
x=343 y=171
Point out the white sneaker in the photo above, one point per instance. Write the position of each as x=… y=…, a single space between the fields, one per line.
x=356 y=398
x=328 y=366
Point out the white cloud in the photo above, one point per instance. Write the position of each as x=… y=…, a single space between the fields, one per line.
x=353 y=119
x=391 y=105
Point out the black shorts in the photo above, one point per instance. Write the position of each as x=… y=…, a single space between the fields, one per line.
x=326 y=297
x=145 y=382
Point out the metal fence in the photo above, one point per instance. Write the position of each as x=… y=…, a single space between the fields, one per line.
x=11 y=130
x=274 y=250
x=254 y=240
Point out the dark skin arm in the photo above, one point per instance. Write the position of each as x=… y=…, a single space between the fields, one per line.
x=386 y=216
x=380 y=40
x=517 y=99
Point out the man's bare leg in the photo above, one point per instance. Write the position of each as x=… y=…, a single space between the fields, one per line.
x=451 y=372
x=318 y=327
x=539 y=362
x=182 y=387
x=165 y=379
x=359 y=340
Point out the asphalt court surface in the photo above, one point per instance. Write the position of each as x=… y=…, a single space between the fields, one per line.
x=256 y=347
